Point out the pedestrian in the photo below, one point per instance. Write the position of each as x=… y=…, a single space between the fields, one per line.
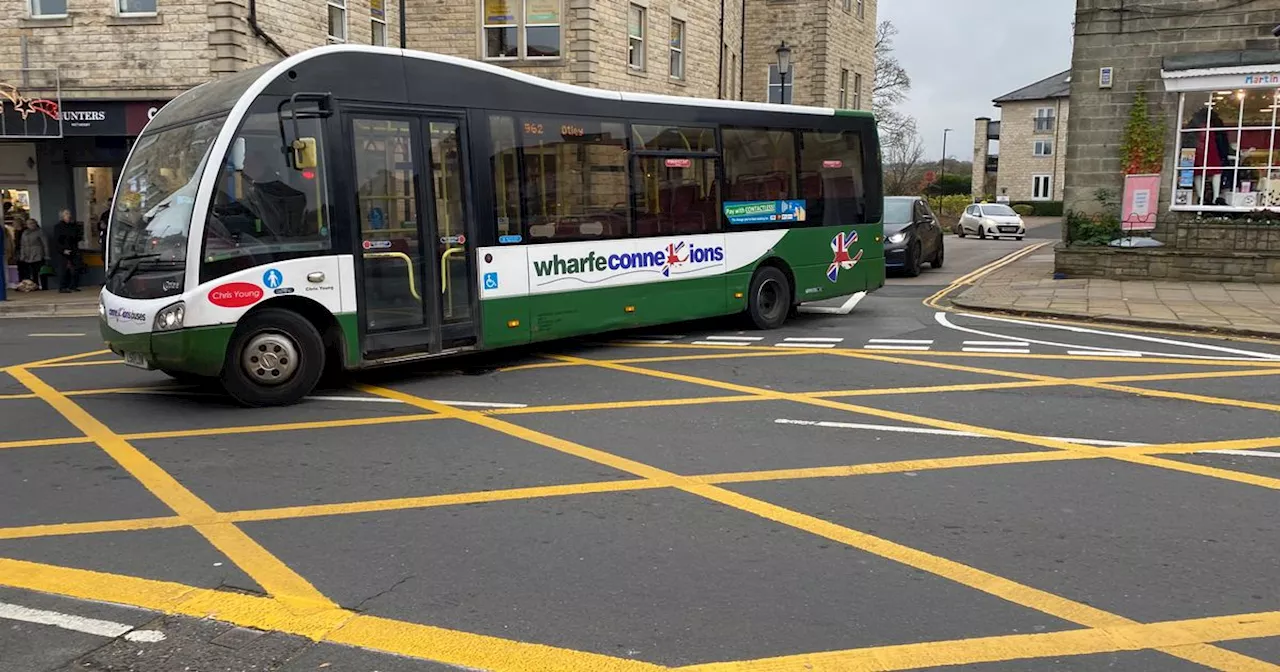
x=102 y=227
x=66 y=238
x=33 y=253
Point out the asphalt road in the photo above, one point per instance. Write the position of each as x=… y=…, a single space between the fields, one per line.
x=899 y=487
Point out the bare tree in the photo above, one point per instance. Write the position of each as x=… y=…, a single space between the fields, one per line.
x=901 y=153
x=899 y=137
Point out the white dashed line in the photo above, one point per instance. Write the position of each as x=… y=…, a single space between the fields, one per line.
x=804 y=345
x=999 y=351
x=999 y=344
x=815 y=339
x=54 y=335
x=1103 y=353
x=1243 y=453
x=734 y=344
x=900 y=341
x=90 y=626
x=916 y=348
x=749 y=339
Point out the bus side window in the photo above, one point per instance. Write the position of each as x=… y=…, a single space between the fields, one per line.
x=266 y=211
x=504 y=165
x=759 y=166
x=831 y=178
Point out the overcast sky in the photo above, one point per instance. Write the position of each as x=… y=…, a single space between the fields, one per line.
x=963 y=53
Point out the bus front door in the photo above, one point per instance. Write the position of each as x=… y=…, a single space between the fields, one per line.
x=416 y=283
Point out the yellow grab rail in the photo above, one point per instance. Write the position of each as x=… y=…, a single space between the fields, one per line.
x=408 y=267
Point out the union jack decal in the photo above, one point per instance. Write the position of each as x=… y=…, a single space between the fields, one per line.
x=840 y=248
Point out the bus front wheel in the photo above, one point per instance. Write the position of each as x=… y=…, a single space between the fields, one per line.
x=276 y=358
x=770 y=299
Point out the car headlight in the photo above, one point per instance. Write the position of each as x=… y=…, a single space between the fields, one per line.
x=989 y=222
x=171 y=317
x=897 y=238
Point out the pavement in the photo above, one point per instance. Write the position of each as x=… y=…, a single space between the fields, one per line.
x=51 y=303
x=902 y=486
x=1026 y=286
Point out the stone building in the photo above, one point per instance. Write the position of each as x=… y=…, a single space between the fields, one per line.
x=102 y=67
x=1032 y=136
x=1211 y=73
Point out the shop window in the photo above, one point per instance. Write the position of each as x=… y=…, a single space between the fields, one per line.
x=48 y=9
x=574 y=178
x=337 y=20
x=264 y=210
x=831 y=178
x=1228 y=152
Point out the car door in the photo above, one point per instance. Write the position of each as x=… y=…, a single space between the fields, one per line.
x=966 y=222
x=921 y=222
x=933 y=228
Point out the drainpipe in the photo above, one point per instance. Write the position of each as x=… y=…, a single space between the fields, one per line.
x=257 y=30
x=404 y=25
x=742 y=54
x=721 y=49
x=1057 y=147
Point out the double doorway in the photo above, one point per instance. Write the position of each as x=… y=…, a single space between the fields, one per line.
x=415 y=252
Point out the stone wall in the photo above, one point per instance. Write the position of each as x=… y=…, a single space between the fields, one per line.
x=824 y=37
x=1168 y=264
x=981 y=150
x=1018 y=162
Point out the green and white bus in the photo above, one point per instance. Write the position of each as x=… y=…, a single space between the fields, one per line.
x=351 y=207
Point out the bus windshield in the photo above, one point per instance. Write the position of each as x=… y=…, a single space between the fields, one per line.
x=153 y=210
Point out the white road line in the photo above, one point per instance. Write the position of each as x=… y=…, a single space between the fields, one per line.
x=1136 y=337
x=917 y=348
x=900 y=341
x=733 y=344
x=941 y=319
x=1002 y=344
x=815 y=339
x=645 y=341
x=748 y=339
x=91 y=626
x=1104 y=353
x=804 y=345
x=943 y=432
x=844 y=308
x=1243 y=453
x=54 y=335
x=999 y=351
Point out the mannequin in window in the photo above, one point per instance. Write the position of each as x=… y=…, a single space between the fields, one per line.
x=1213 y=152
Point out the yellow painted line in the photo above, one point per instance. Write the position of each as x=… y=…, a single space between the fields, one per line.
x=982 y=271
x=281 y=427
x=927 y=464
x=272 y=574
x=63 y=365
x=1184 y=396
x=529 y=367
x=14 y=397
x=33 y=443
x=335 y=625
x=430 y=501
x=1184 y=448
x=972 y=577
x=1186 y=636
x=70 y=529
x=55 y=360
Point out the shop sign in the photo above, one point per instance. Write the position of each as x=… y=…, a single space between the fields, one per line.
x=542 y=11
x=376 y=9
x=499 y=12
x=108 y=117
x=1141 y=193
x=30 y=103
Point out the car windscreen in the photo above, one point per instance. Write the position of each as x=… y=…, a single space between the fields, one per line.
x=998 y=211
x=898 y=210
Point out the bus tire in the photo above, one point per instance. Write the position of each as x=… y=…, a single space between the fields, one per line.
x=275 y=359
x=770 y=300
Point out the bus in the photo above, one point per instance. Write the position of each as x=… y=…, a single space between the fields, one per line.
x=352 y=207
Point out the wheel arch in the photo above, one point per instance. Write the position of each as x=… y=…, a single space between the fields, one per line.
x=323 y=319
x=780 y=264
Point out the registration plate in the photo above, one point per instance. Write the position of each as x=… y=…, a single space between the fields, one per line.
x=137 y=359
x=1008 y=229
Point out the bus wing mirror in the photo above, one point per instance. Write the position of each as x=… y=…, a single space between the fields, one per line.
x=304 y=154
x=236 y=156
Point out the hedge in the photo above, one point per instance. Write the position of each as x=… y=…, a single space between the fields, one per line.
x=1041 y=208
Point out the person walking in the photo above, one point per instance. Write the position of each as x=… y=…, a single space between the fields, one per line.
x=66 y=238
x=102 y=228
x=33 y=253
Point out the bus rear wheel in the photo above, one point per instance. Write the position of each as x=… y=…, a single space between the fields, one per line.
x=276 y=358
x=770 y=298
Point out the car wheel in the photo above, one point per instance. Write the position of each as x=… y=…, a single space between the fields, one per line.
x=938 y=258
x=276 y=358
x=982 y=232
x=915 y=261
x=770 y=299
x=960 y=230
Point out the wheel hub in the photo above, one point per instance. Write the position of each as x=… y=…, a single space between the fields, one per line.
x=270 y=358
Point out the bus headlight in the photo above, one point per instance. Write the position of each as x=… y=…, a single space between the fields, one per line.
x=171 y=317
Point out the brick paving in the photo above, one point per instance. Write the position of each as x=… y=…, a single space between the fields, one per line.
x=1027 y=286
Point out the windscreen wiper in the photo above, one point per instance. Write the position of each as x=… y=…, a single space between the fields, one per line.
x=131 y=257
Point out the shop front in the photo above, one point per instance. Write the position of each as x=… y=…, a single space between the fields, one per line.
x=58 y=154
x=1227 y=152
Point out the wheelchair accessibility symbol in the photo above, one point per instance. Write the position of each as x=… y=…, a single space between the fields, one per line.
x=490 y=280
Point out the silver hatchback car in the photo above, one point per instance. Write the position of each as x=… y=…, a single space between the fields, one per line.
x=991 y=220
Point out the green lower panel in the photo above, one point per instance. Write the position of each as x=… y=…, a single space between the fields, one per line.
x=199 y=350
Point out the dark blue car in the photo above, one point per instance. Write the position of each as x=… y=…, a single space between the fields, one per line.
x=912 y=235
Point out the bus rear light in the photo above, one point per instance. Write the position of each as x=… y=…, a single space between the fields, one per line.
x=512 y=324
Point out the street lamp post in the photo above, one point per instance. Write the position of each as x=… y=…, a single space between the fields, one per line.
x=784 y=69
x=942 y=176
x=404 y=25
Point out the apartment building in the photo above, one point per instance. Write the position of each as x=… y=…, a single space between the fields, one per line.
x=1032 y=134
